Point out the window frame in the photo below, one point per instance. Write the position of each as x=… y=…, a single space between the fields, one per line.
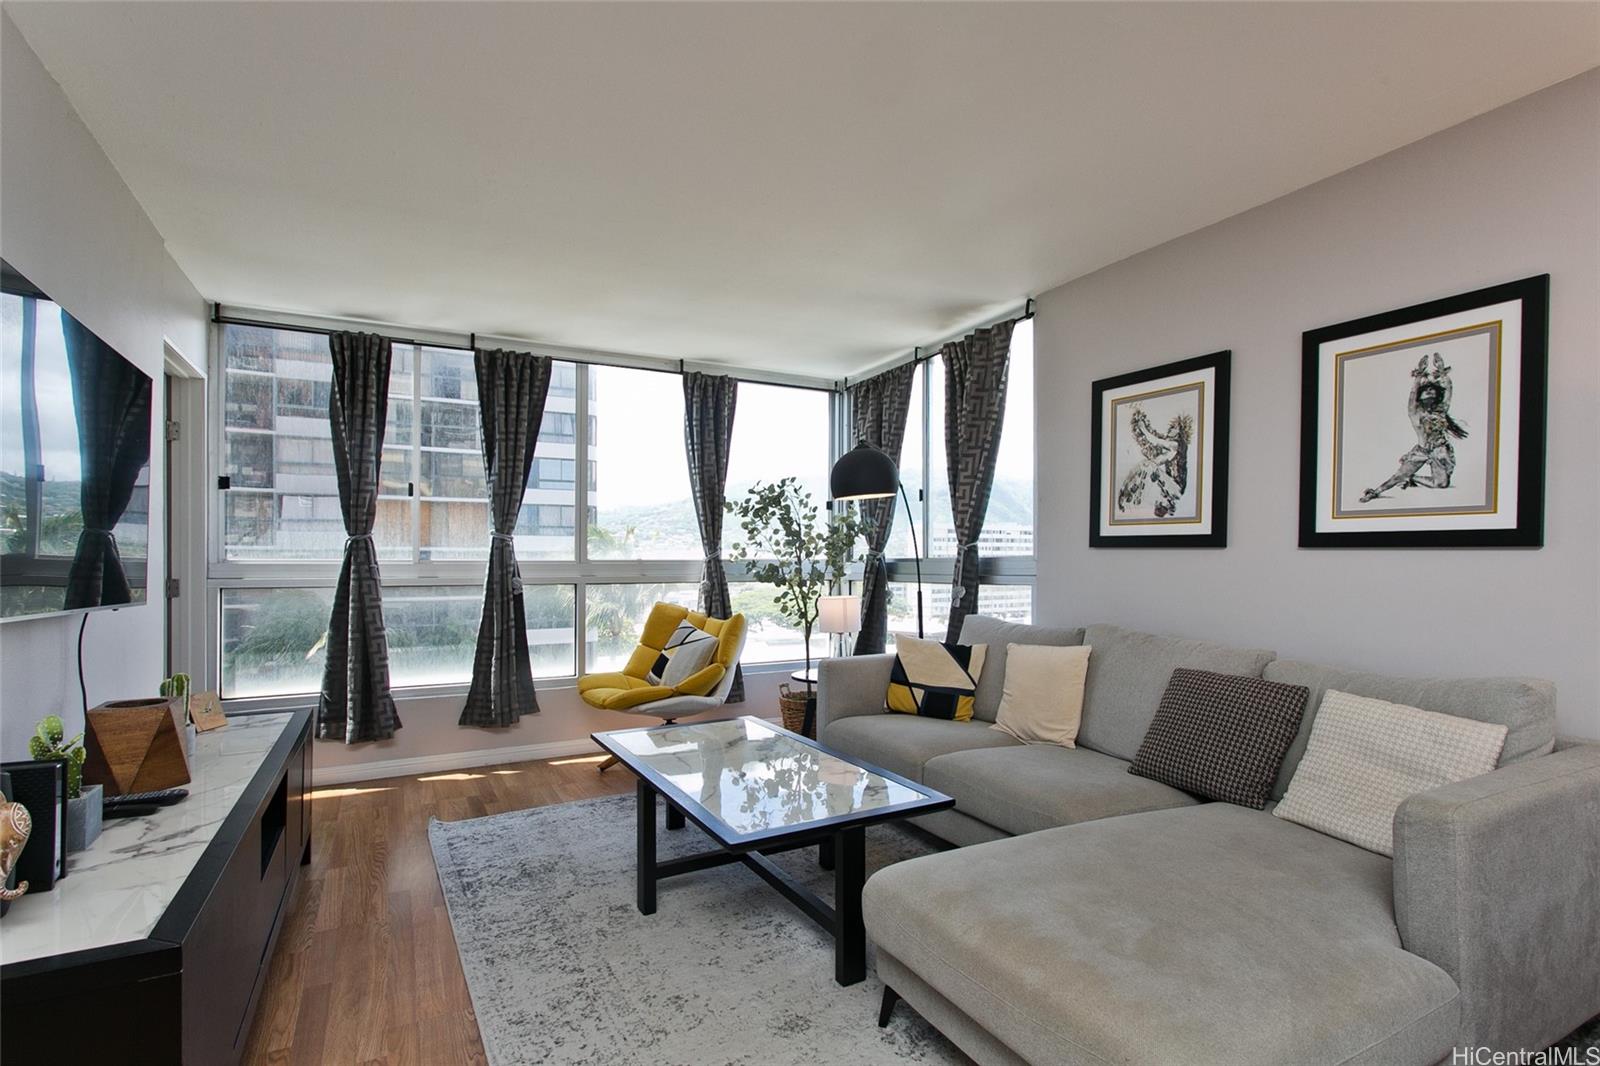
x=580 y=571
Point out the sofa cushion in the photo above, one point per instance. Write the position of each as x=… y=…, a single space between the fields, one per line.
x=904 y=742
x=1206 y=934
x=982 y=629
x=1042 y=786
x=1525 y=706
x=1129 y=671
x=1221 y=736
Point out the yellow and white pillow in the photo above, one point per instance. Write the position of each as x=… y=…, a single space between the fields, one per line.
x=688 y=650
x=933 y=679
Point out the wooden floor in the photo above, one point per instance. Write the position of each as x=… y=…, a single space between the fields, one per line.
x=366 y=971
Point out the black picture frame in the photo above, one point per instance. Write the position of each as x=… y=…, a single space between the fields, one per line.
x=1220 y=364
x=1533 y=293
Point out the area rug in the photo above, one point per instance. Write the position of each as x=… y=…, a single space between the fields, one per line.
x=563 y=968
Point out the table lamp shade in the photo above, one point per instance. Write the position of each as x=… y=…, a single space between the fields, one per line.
x=838 y=614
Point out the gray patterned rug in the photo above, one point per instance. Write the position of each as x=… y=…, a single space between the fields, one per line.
x=564 y=969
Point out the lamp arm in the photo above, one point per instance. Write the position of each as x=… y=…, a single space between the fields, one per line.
x=916 y=551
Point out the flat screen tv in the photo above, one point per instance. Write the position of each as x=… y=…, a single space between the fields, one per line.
x=74 y=462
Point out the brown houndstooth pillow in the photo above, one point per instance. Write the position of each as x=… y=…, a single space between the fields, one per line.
x=1221 y=736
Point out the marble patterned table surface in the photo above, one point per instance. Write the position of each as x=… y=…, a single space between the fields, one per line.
x=117 y=889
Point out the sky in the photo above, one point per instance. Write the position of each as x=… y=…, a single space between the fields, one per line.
x=777 y=432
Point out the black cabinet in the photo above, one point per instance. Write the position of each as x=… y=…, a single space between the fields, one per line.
x=187 y=993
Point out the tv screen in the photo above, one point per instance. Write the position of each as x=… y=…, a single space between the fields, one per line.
x=74 y=462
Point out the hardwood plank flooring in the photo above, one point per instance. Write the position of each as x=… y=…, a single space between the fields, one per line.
x=366 y=970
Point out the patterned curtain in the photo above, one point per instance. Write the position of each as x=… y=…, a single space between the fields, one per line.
x=878 y=410
x=112 y=399
x=356 y=704
x=975 y=371
x=708 y=405
x=512 y=387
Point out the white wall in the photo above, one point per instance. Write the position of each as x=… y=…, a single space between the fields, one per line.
x=1512 y=193
x=71 y=226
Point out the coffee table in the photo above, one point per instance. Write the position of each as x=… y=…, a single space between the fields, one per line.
x=758 y=790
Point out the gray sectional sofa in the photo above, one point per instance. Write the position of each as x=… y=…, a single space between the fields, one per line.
x=1100 y=917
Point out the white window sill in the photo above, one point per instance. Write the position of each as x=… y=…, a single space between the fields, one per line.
x=412 y=693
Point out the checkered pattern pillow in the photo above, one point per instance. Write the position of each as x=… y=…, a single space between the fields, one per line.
x=695 y=647
x=1221 y=736
x=1365 y=757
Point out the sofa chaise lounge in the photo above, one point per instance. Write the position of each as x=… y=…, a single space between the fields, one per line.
x=1093 y=916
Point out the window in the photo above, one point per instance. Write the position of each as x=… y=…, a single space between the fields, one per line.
x=779 y=432
x=640 y=489
x=433 y=500
x=1014 y=603
x=1006 y=545
x=278 y=449
x=274 y=641
x=769 y=636
x=615 y=616
x=606 y=529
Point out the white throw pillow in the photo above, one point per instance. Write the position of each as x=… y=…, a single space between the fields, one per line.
x=1365 y=757
x=689 y=650
x=1041 y=700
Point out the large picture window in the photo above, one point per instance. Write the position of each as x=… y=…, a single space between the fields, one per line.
x=606 y=529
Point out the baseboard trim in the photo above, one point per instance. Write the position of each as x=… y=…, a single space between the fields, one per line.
x=349 y=773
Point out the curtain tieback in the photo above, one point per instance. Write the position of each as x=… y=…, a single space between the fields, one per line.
x=509 y=538
x=353 y=537
x=958 y=592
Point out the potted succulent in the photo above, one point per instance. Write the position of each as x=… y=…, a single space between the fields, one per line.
x=789 y=547
x=83 y=804
x=176 y=689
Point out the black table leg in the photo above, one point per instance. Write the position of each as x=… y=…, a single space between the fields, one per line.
x=825 y=853
x=850 y=936
x=886 y=1008
x=646 y=874
x=674 y=816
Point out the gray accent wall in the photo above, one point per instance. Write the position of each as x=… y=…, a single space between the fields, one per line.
x=72 y=227
x=1511 y=193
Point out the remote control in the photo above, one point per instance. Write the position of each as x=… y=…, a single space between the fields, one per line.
x=164 y=798
x=129 y=810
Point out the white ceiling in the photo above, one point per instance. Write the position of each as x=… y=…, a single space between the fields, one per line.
x=802 y=187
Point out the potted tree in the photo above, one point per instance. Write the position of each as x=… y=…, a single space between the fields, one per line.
x=789 y=547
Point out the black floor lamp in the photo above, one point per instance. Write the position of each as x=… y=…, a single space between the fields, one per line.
x=867 y=473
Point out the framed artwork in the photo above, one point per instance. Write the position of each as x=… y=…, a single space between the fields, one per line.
x=1425 y=427
x=1159 y=469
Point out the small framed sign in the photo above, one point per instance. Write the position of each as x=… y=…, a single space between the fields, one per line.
x=1425 y=427
x=1159 y=464
x=206 y=712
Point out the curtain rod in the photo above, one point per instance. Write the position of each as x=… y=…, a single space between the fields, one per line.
x=918 y=358
x=582 y=357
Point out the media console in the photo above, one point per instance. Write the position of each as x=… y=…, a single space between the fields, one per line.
x=154 y=947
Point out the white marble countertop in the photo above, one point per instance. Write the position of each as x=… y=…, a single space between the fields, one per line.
x=117 y=889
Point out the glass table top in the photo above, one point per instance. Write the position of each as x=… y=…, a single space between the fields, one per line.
x=756 y=779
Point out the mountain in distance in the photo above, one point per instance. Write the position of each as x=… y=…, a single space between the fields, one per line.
x=1010 y=503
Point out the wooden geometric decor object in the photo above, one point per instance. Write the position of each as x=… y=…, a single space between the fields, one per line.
x=136 y=746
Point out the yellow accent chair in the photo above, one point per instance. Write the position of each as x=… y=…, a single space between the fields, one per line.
x=631 y=691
